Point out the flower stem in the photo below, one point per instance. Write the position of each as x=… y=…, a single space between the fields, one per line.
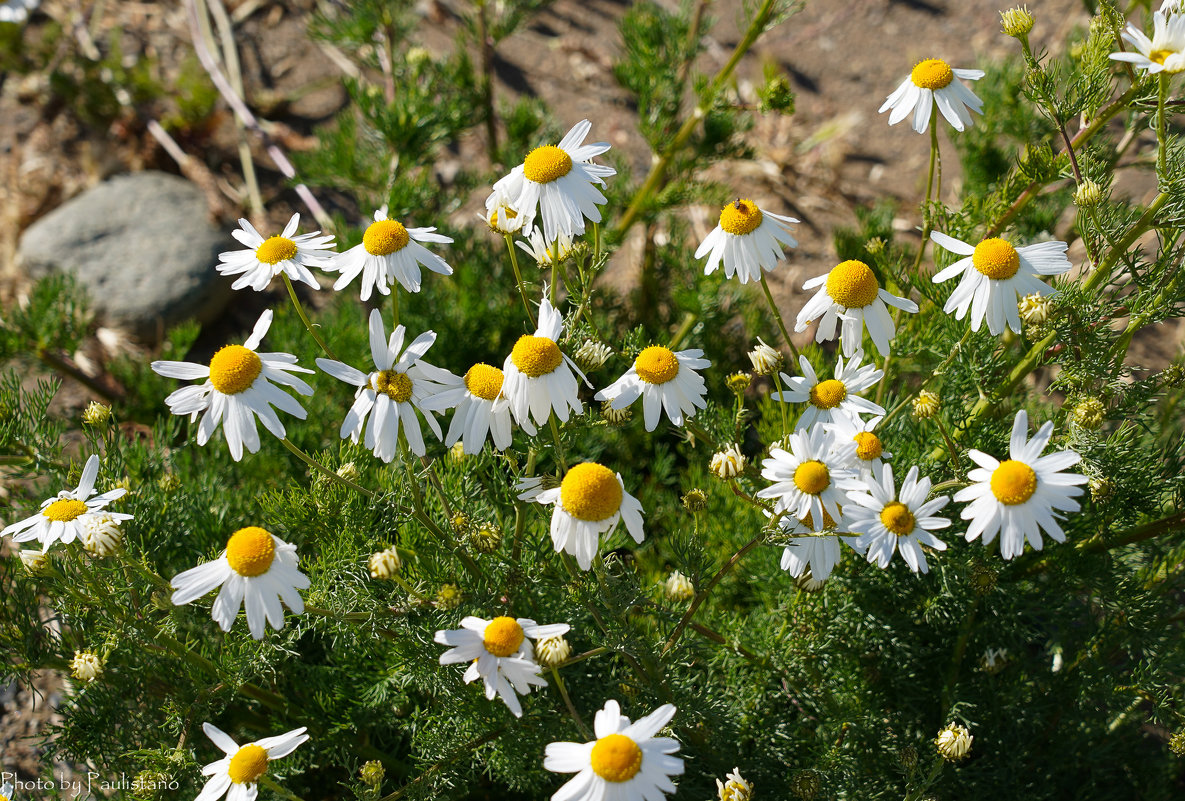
x=559 y=685
x=518 y=278
x=703 y=594
x=313 y=463
x=935 y=162
x=781 y=403
x=304 y=318
x=1162 y=132
x=394 y=307
x=773 y=307
x=559 y=448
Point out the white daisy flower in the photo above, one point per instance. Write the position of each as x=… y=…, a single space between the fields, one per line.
x=559 y=183
x=810 y=478
x=500 y=216
x=625 y=763
x=500 y=653
x=995 y=276
x=850 y=293
x=833 y=399
x=264 y=259
x=389 y=252
x=16 y=11
x=870 y=451
x=663 y=379
x=538 y=377
x=811 y=548
x=238 y=388
x=1021 y=495
x=747 y=239
x=65 y=516
x=6 y=789
x=589 y=502
x=931 y=82
x=888 y=521
x=237 y=774
x=1165 y=51
x=481 y=409
x=256 y=569
x=545 y=252
x=392 y=394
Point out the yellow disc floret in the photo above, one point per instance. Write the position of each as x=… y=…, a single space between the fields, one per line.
x=395 y=385
x=591 y=492
x=484 y=381
x=740 y=218
x=384 y=237
x=812 y=477
x=248 y=764
x=536 y=356
x=276 y=250
x=615 y=758
x=250 y=551
x=868 y=446
x=65 y=510
x=898 y=519
x=1013 y=482
x=996 y=258
x=656 y=365
x=546 y=164
x=234 y=369
x=852 y=284
x=828 y=394
x=933 y=73
x=503 y=636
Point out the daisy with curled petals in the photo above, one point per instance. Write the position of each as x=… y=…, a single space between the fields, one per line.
x=747 y=239
x=995 y=276
x=389 y=252
x=500 y=654
x=545 y=253
x=810 y=548
x=264 y=259
x=481 y=409
x=888 y=521
x=1165 y=51
x=388 y=398
x=870 y=451
x=589 y=502
x=257 y=569
x=833 y=399
x=237 y=774
x=810 y=478
x=559 y=183
x=539 y=378
x=64 y=517
x=932 y=82
x=1023 y=494
x=238 y=388
x=663 y=379
x=851 y=295
x=626 y=762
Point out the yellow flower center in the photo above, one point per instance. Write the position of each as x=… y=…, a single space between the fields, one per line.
x=898 y=519
x=384 y=237
x=507 y=211
x=484 y=381
x=248 y=764
x=546 y=164
x=852 y=284
x=996 y=258
x=656 y=365
x=536 y=356
x=234 y=369
x=933 y=73
x=250 y=552
x=616 y=758
x=65 y=510
x=741 y=217
x=1013 y=482
x=828 y=394
x=591 y=492
x=812 y=477
x=396 y=386
x=503 y=636
x=1159 y=56
x=276 y=250
x=868 y=446
x=809 y=522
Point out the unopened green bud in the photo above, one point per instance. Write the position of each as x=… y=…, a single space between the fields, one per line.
x=1017 y=21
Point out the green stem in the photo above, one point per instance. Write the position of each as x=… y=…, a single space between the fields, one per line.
x=773 y=307
x=270 y=783
x=304 y=318
x=935 y=161
x=394 y=307
x=559 y=448
x=313 y=463
x=518 y=278
x=559 y=685
x=1162 y=144
x=420 y=514
x=702 y=595
x=782 y=403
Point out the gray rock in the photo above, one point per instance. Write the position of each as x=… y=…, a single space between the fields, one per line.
x=142 y=246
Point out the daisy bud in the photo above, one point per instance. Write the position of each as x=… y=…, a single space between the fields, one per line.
x=925 y=405
x=34 y=561
x=448 y=596
x=1017 y=21
x=552 y=651
x=86 y=666
x=384 y=564
x=101 y=535
x=983 y=577
x=486 y=538
x=875 y=245
x=1177 y=743
x=417 y=57
x=372 y=773
x=1034 y=309
x=591 y=355
x=776 y=94
x=805 y=784
x=169 y=482
x=615 y=417
x=1089 y=413
x=993 y=660
x=96 y=414
x=678 y=588
x=739 y=382
x=766 y=360
x=953 y=742
x=460 y=522
x=728 y=463
x=695 y=501
x=456 y=454
x=908 y=757
x=1173 y=375
x=1101 y=489
x=735 y=789
x=349 y=471
x=1088 y=194
x=149 y=783
x=808 y=583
